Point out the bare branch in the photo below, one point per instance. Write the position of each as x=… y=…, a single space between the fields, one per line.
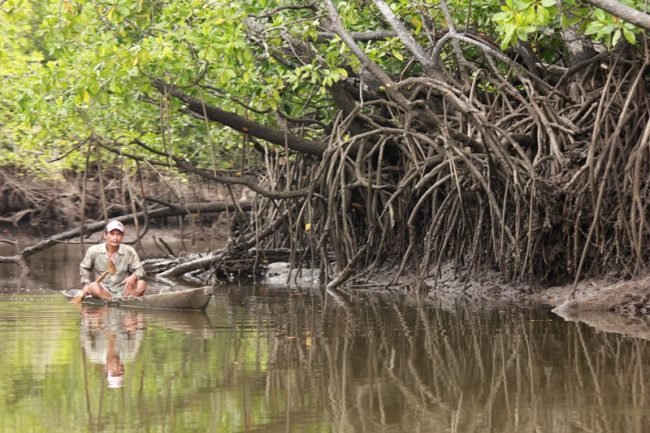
x=279 y=137
x=404 y=35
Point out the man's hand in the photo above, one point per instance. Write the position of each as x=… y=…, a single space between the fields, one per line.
x=129 y=285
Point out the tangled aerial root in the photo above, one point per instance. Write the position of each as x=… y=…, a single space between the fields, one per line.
x=538 y=182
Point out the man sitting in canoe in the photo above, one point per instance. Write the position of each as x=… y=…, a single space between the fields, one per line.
x=119 y=267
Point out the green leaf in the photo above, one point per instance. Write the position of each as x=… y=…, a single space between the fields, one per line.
x=629 y=36
x=543 y=16
x=342 y=72
x=507 y=38
x=608 y=28
x=522 y=34
x=501 y=16
x=593 y=27
x=523 y=5
x=600 y=15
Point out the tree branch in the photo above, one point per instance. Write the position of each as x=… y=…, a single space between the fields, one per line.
x=276 y=136
x=404 y=35
x=226 y=180
x=624 y=12
x=371 y=35
x=372 y=67
x=216 y=256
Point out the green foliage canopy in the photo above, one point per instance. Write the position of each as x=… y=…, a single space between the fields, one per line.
x=77 y=69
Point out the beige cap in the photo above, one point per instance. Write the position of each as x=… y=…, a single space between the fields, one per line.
x=114 y=225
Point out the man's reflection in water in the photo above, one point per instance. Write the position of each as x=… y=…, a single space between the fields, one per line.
x=111 y=336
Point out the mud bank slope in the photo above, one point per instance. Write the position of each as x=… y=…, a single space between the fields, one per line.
x=607 y=305
x=611 y=306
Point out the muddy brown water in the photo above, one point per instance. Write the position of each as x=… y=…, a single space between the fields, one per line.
x=264 y=359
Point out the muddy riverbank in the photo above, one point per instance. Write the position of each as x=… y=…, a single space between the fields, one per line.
x=606 y=304
x=31 y=210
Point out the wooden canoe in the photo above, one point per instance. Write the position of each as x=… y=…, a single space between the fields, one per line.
x=189 y=299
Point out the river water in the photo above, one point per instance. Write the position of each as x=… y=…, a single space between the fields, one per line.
x=264 y=359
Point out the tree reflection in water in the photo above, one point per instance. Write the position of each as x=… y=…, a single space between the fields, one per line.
x=377 y=365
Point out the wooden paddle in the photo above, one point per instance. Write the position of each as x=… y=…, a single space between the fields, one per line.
x=111 y=270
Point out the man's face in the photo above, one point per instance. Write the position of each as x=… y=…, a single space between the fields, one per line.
x=114 y=237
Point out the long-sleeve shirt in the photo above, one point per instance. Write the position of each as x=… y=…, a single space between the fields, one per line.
x=126 y=262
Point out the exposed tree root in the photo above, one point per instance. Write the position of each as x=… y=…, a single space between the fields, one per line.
x=557 y=189
x=538 y=182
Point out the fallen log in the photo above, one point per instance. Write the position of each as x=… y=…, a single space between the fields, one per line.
x=203 y=262
x=224 y=262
